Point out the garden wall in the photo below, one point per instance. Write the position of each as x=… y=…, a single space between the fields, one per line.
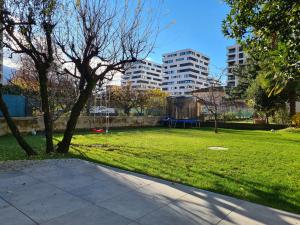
x=27 y=124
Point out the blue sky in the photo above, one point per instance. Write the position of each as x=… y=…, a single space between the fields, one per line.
x=198 y=26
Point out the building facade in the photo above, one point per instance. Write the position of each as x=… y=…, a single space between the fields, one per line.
x=143 y=75
x=184 y=71
x=235 y=57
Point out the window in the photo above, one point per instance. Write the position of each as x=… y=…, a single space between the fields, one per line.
x=186 y=82
x=186 y=64
x=231 y=50
x=205 y=58
x=153 y=74
x=172 y=66
x=168 y=61
x=169 y=72
x=192 y=58
x=188 y=70
x=142 y=81
x=179 y=59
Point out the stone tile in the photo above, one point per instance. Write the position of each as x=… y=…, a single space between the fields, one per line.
x=3 y=204
x=47 y=172
x=170 y=216
x=208 y=204
x=5 y=175
x=92 y=215
x=11 y=216
x=257 y=214
x=132 y=181
x=101 y=190
x=48 y=208
x=30 y=193
x=132 y=204
x=72 y=182
x=165 y=192
x=17 y=182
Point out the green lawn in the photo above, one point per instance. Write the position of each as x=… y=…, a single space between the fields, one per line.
x=259 y=166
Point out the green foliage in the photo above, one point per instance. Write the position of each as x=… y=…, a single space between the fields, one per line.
x=263 y=103
x=270 y=33
x=296 y=120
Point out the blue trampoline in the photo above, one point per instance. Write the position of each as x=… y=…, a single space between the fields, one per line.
x=171 y=122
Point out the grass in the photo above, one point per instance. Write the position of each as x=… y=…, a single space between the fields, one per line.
x=259 y=166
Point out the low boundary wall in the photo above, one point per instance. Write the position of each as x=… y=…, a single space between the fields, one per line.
x=27 y=124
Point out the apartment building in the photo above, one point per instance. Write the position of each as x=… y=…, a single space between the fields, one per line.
x=143 y=75
x=235 y=56
x=184 y=71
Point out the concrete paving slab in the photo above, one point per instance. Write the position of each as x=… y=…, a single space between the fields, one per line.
x=17 y=182
x=165 y=192
x=3 y=203
x=30 y=193
x=72 y=182
x=251 y=213
x=133 y=204
x=79 y=192
x=169 y=216
x=101 y=190
x=53 y=206
x=91 y=215
x=11 y=216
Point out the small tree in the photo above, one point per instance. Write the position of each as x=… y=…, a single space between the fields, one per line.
x=28 y=27
x=263 y=103
x=61 y=87
x=213 y=98
x=124 y=97
x=99 y=38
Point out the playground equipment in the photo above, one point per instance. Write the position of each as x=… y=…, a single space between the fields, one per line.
x=102 y=110
x=171 y=122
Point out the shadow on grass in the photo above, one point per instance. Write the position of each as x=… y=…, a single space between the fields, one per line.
x=270 y=195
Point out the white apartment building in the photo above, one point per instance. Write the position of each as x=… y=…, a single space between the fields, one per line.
x=143 y=75
x=184 y=71
x=235 y=56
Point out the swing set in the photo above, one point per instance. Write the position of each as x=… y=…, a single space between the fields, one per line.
x=99 y=109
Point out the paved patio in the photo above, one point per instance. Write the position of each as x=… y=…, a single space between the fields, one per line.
x=71 y=192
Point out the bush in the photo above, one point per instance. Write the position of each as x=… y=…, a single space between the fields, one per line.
x=296 y=120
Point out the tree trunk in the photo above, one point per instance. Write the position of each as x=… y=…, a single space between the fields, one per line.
x=14 y=129
x=216 y=123
x=267 y=118
x=43 y=81
x=292 y=101
x=127 y=111
x=63 y=146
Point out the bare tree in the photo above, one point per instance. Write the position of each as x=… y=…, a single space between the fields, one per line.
x=61 y=87
x=99 y=37
x=213 y=98
x=28 y=27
